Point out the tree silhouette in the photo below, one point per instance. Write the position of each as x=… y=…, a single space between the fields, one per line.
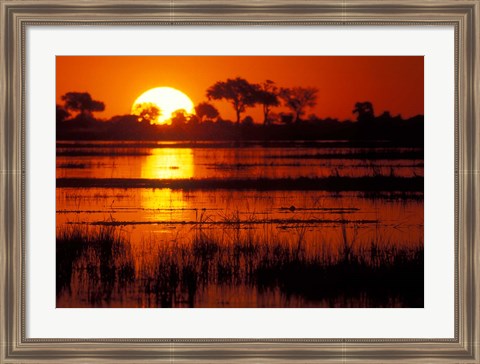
x=204 y=110
x=82 y=102
x=286 y=118
x=179 y=117
x=364 y=111
x=147 y=112
x=385 y=116
x=247 y=120
x=299 y=98
x=61 y=114
x=239 y=92
x=267 y=96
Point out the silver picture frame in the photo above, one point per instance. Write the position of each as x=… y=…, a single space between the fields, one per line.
x=18 y=15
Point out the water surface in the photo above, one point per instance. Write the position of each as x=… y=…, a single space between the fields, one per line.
x=341 y=227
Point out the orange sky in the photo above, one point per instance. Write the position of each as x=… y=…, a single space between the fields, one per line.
x=393 y=83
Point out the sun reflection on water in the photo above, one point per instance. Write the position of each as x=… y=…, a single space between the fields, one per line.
x=168 y=163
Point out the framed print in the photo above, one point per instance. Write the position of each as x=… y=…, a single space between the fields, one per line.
x=196 y=181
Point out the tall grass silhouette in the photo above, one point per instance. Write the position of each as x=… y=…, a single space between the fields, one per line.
x=94 y=264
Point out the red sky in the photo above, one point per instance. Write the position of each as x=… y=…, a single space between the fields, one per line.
x=393 y=83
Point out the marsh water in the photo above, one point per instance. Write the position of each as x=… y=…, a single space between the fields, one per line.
x=169 y=198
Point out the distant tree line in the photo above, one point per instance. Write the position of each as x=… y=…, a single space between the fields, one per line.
x=75 y=118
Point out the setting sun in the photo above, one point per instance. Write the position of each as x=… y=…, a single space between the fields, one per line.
x=167 y=100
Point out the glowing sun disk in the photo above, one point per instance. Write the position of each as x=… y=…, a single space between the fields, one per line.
x=167 y=100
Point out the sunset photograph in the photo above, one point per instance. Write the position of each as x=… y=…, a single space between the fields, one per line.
x=239 y=181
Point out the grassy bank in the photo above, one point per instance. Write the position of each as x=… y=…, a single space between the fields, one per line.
x=332 y=183
x=95 y=264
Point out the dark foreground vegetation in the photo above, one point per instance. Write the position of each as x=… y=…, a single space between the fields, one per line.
x=331 y=183
x=99 y=265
